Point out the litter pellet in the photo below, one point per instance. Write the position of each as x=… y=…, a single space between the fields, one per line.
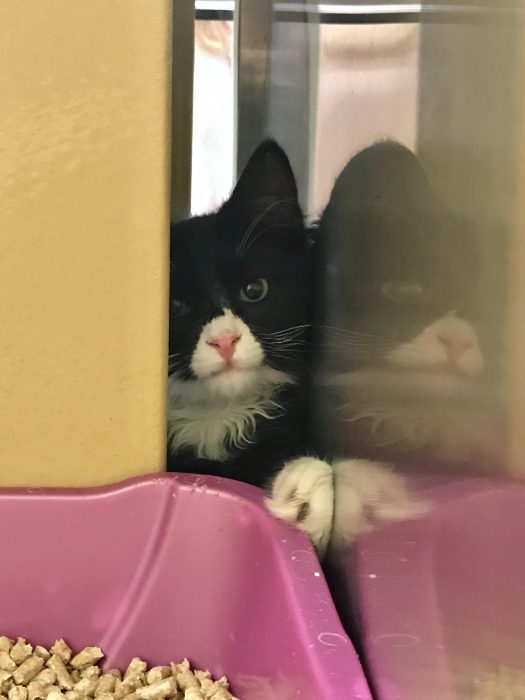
x=20 y=651
x=6 y=662
x=45 y=677
x=86 y=687
x=35 y=690
x=5 y=681
x=136 y=665
x=42 y=652
x=59 y=674
x=55 y=695
x=91 y=672
x=219 y=692
x=87 y=657
x=202 y=675
x=115 y=672
x=72 y=695
x=165 y=688
x=106 y=684
x=64 y=679
x=17 y=692
x=194 y=694
x=157 y=673
x=28 y=670
x=128 y=685
x=131 y=696
x=207 y=687
x=187 y=680
x=61 y=649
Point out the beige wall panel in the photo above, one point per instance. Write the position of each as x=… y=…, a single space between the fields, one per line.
x=84 y=107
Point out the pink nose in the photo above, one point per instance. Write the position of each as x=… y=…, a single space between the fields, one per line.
x=225 y=345
x=455 y=347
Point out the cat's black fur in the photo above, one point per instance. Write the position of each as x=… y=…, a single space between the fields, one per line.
x=207 y=273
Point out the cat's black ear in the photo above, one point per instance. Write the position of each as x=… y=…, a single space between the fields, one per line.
x=267 y=177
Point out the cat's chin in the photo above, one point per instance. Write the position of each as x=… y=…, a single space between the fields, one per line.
x=239 y=381
x=233 y=382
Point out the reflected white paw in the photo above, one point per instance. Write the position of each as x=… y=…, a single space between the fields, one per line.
x=369 y=494
x=303 y=494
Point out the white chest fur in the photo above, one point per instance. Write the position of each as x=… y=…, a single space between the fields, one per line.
x=212 y=425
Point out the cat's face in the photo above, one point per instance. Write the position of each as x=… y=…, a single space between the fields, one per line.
x=240 y=285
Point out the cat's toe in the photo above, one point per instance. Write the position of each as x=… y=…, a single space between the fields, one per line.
x=303 y=494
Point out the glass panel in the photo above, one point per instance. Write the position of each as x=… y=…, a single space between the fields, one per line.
x=182 y=41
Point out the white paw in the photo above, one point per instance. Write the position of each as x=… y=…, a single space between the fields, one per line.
x=367 y=495
x=303 y=494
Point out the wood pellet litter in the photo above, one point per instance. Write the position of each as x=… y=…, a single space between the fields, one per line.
x=36 y=673
x=503 y=684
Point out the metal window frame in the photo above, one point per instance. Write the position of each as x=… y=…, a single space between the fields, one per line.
x=183 y=47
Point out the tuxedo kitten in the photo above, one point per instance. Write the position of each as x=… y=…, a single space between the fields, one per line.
x=241 y=303
x=402 y=364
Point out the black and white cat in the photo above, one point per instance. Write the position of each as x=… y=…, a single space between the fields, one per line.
x=241 y=310
x=241 y=305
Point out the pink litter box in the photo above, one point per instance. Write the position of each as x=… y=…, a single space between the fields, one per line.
x=440 y=601
x=173 y=566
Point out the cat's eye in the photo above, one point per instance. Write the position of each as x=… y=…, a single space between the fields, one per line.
x=179 y=307
x=405 y=293
x=254 y=290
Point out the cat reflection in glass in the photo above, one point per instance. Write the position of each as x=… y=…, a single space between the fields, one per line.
x=402 y=364
x=241 y=313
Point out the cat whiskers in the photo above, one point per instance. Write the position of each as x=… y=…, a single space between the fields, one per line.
x=285 y=349
x=291 y=333
x=354 y=343
x=291 y=329
x=286 y=342
x=344 y=332
x=176 y=363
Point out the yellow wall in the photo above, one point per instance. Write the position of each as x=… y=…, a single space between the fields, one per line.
x=83 y=239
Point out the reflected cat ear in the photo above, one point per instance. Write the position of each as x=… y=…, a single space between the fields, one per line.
x=386 y=174
x=267 y=177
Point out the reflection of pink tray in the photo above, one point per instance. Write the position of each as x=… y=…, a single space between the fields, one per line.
x=442 y=600
x=172 y=566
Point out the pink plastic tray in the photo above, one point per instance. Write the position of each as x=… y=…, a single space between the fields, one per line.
x=170 y=566
x=441 y=600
